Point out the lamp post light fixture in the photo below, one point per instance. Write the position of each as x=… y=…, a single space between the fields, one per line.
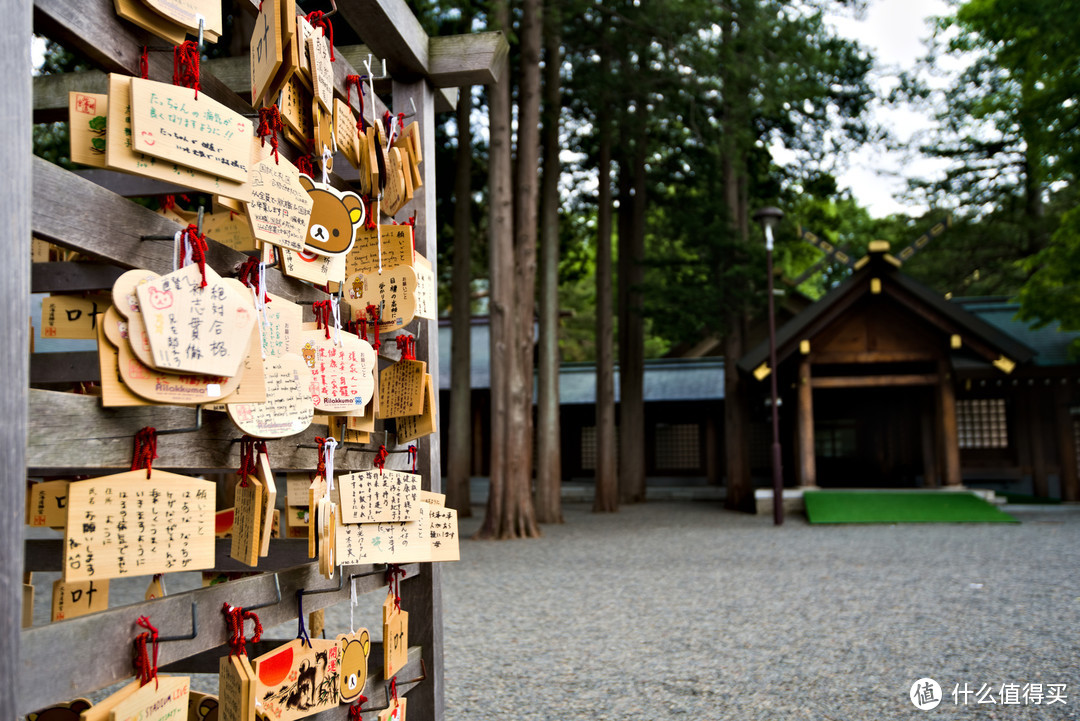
x=769 y=218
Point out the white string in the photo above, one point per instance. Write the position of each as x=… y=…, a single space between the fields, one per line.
x=327 y=156
x=328 y=459
x=352 y=605
x=335 y=308
x=259 y=293
x=176 y=250
x=371 y=84
x=378 y=227
x=390 y=136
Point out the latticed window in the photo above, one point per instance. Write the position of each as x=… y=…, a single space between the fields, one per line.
x=588 y=447
x=835 y=439
x=981 y=423
x=678 y=446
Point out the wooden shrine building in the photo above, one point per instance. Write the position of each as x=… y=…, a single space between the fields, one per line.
x=885 y=383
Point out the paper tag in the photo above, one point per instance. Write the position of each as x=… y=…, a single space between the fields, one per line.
x=87 y=113
x=322 y=70
x=354 y=651
x=395 y=242
x=124 y=525
x=335 y=217
x=409 y=428
x=120 y=153
x=392 y=291
x=165 y=700
x=266 y=48
x=192 y=328
x=168 y=122
x=269 y=497
x=46 y=504
x=401 y=389
x=296 y=681
x=373 y=496
x=231 y=229
x=342 y=375
x=71 y=599
x=247 y=522
x=280 y=206
x=395 y=637
x=288 y=409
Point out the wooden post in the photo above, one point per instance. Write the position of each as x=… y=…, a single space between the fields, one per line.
x=1036 y=429
x=712 y=450
x=425 y=591
x=15 y=118
x=929 y=447
x=947 y=432
x=1070 y=487
x=806 y=468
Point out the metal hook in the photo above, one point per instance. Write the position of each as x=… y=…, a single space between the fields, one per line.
x=423 y=674
x=386 y=690
x=277 y=588
x=305 y=592
x=165 y=236
x=333 y=10
x=192 y=429
x=369 y=573
x=202 y=26
x=194 y=628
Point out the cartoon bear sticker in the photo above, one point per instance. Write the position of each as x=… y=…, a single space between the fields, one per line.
x=335 y=218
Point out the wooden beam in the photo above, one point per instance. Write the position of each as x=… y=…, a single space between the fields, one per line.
x=880 y=381
x=392 y=32
x=875 y=356
x=73 y=433
x=102 y=223
x=64 y=367
x=15 y=101
x=72 y=277
x=806 y=467
x=46 y=676
x=461 y=60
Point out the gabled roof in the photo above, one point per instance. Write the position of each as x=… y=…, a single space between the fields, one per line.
x=985 y=339
x=1051 y=344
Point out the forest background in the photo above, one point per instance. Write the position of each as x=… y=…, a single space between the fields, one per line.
x=603 y=189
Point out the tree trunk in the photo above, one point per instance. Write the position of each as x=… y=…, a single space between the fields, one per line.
x=501 y=267
x=740 y=489
x=607 y=489
x=632 y=334
x=459 y=454
x=548 y=441
x=520 y=515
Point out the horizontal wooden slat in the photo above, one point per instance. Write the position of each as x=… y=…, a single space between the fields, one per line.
x=103 y=224
x=461 y=60
x=49 y=674
x=64 y=367
x=72 y=433
x=72 y=277
x=390 y=29
x=912 y=379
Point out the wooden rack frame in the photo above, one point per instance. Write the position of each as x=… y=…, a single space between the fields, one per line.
x=46 y=432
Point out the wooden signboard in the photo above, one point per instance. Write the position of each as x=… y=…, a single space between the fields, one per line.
x=409 y=428
x=266 y=47
x=393 y=243
x=123 y=525
x=87 y=113
x=46 y=504
x=121 y=155
x=71 y=599
x=170 y=123
x=373 y=496
x=395 y=637
x=392 y=292
x=165 y=700
x=194 y=328
x=342 y=375
x=335 y=218
x=280 y=206
x=296 y=681
x=248 y=519
x=288 y=408
x=401 y=389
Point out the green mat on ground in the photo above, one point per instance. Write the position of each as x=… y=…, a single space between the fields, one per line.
x=902 y=507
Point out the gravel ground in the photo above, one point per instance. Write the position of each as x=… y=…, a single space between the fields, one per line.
x=687 y=611
x=683 y=610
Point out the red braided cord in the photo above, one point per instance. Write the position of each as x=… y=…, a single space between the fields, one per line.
x=186 y=66
x=145 y=450
x=318 y=18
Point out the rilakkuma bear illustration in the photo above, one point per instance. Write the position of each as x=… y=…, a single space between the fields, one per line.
x=308 y=352
x=69 y=711
x=335 y=218
x=357 y=289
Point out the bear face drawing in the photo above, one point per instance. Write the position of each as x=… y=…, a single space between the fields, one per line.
x=335 y=217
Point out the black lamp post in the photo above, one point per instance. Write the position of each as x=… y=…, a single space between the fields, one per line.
x=769 y=218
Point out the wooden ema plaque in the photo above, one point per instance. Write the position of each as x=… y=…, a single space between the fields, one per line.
x=395 y=637
x=385 y=542
x=269 y=498
x=120 y=153
x=248 y=521
x=342 y=375
x=231 y=229
x=288 y=408
x=203 y=707
x=71 y=599
x=101 y=710
x=236 y=688
x=427 y=304
x=137 y=12
x=87 y=115
x=72 y=316
x=409 y=428
x=401 y=389
x=124 y=525
x=280 y=206
x=296 y=680
x=46 y=504
x=394 y=242
x=395 y=711
x=443 y=533
x=193 y=328
x=170 y=123
x=318 y=269
x=188 y=13
x=322 y=70
x=335 y=217
x=166 y=700
x=67 y=711
x=373 y=496
x=391 y=291
x=345 y=132
x=354 y=651
x=394 y=197
x=266 y=49
x=281 y=331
